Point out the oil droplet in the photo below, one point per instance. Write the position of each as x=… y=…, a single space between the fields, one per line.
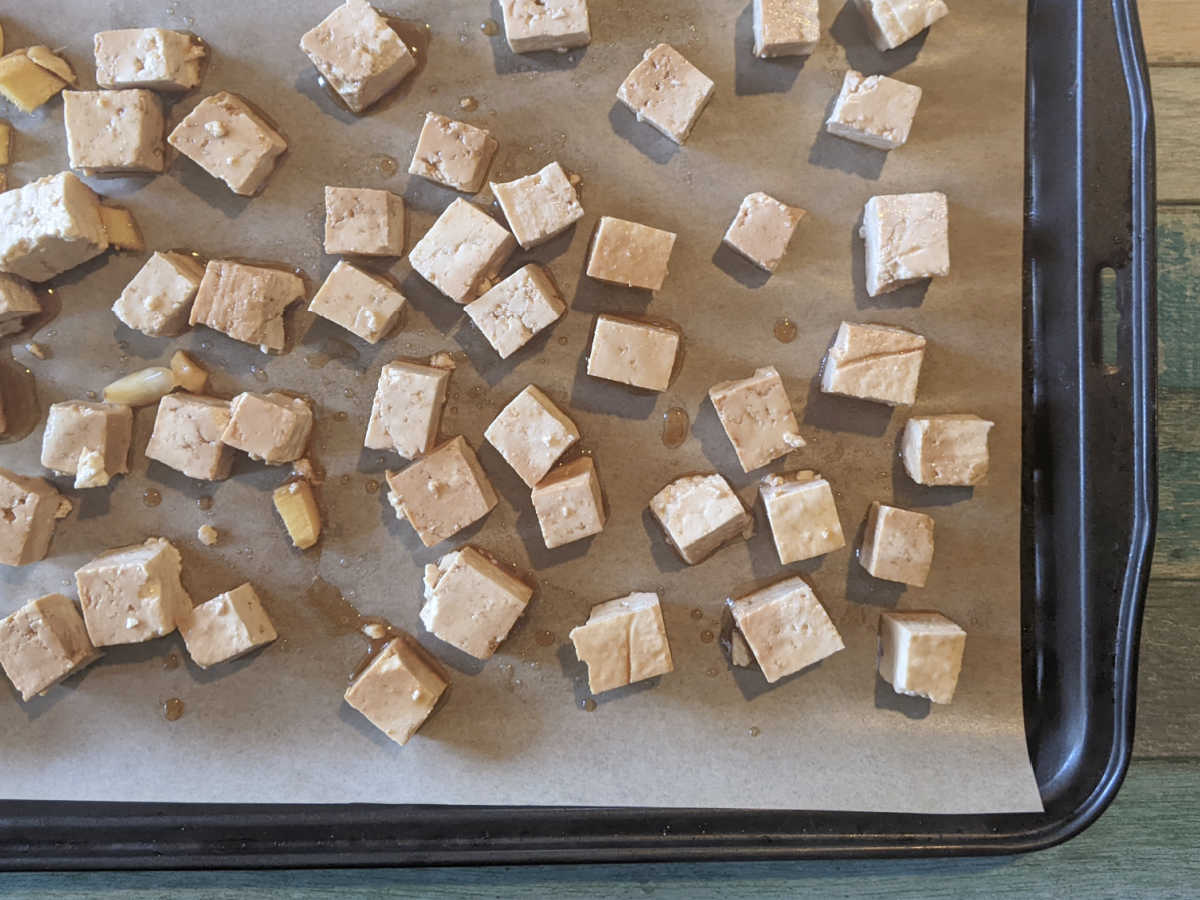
x=340 y=415
x=697 y=614
x=344 y=563
x=675 y=427
x=589 y=705
x=562 y=341
x=470 y=104
x=91 y=395
x=711 y=672
x=706 y=636
x=347 y=393
x=173 y=709
x=453 y=409
x=785 y=330
x=205 y=503
x=544 y=638
x=489 y=27
x=386 y=165
x=345 y=479
x=754 y=731
x=259 y=373
x=171 y=662
x=151 y=497
x=372 y=486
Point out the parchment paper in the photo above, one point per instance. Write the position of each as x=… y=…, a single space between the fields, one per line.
x=273 y=727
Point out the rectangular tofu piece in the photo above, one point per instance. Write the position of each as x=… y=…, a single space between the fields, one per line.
x=229 y=141
x=453 y=154
x=757 y=417
x=442 y=493
x=946 y=450
x=803 y=516
x=511 y=313
x=891 y=23
x=630 y=254
x=624 y=641
x=133 y=594
x=42 y=643
x=17 y=303
x=786 y=627
x=407 y=408
x=398 y=690
x=920 y=654
x=152 y=58
x=246 y=302
x=273 y=428
x=158 y=299
x=359 y=54
x=540 y=206
x=700 y=513
x=360 y=302
x=535 y=25
x=363 y=222
x=897 y=544
x=226 y=627
x=762 y=230
x=569 y=504
x=462 y=252
x=907 y=240
x=471 y=602
x=636 y=353
x=88 y=440
x=114 y=131
x=531 y=433
x=874 y=110
x=187 y=436
x=297 y=507
x=667 y=91
x=49 y=226
x=874 y=362
x=786 y=27
x=29 y=507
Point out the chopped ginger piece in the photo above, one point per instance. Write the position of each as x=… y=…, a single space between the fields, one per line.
x=141 y=388
x=295 y=504
x=1 y=40
x=3 y=182
x=51 y=62
x=123 y=231
x=188 y=374
x=5 y=142
x=25 y=84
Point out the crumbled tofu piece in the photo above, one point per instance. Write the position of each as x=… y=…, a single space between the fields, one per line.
x=874 y=362
x=804 y=519
x=398 y=690
x=786 y=627
x=531 y=433
x=471 y=602
x=297 y=507
x=739 y=650
x=97 y=434
x=133 y=594
x=3 y=181
x=187 y=373
x=207 y=535
x=630 y=254
x=42 y=643
x=51 y=62
x=568 y=503
x=49 y=226
x=359 y=54
x=17 y=302
x=5 y=140
x=897 y=544
x=407 y=409
x=874 y=110
x=462 y=252
x=535 y=25
x=907 y=240
x=364 y=222
x=114 y=131
x=891 y=23
x=226 y=627
x=273 y=428
x=453 y=154
x=623 y=641
x=246 y=302
x=121 y=228
x=634 y=353
x=700 y=513
x=920 y=654
x=187 y=436
x=512 y=312
x=786 y=27
x=158 y=299
x=442 y=493
x=25 y=84
x=229 y=141
x=29 y=508
x=757 y=417
x=946 y=450
x=667 y=91
x=540 y=206
x=762 y=229
x=360 y=302
x=148 y=58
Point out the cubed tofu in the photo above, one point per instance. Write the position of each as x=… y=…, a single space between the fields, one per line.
x=187 y=436
x=152 y=58
x=569 y=504
x=471 y=602
x=803 y=516
x=49 y=226
x=907 y=240
x=17 y=303
x=114 y=131
x=699 y=514
x=359 y=54
x=535 y=25
x=624 y=641
x=159 y=298
x=29 y=507
x=891 y=23
x=363 y=222
x=786 y=27
x=897 y=544
x=273 y=428
x=762 y=229
x=407 y=409
x=786 y=627
x=531 y=433
x=246 y=302
x=121 y=228
x=297 y=507
x=442 y=493
x=874 y=110
x=42 y=643
x=667 y=91
x=226 y=627
x=360 y=302
x=88 y=440
x=946 y=450
x=920 y=654
x=874 y=362
x=133 y=594
x=229 y=141
x=636 y=353
x=630 y=254
x=540 y=206
x=463 y=252
x=512 y=312
x=453 y=154
x=398 y=690
x=25 y=84
x=757 y=417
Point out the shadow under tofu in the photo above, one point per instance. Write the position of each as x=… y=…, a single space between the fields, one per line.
x=487 y=363
x=833 y=412
x=908 y=494
x=760 y=76
x=449 y=655
x=599 y=395
x=740 y=269
x=39 y=705
x=331 y=343
x=910 y=707
x=716 y=446
x=864 y=588
x=544 y=254
x=94 y=502
x=442 y=312
x=212 y=190
x=595 y=296
x=508 y=63
x=666 y=559
x=752 y=683
x=224 y=670
x=832 y=152
x=576 y=670
x=644 y=137
x=907 y=297
x=137 y=344
x=850 y=30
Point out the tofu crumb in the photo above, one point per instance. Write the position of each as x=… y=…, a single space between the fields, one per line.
x=207 y=535
x=37 y=351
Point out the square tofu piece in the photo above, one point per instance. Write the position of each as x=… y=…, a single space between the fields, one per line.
x=230 y=141
x=804 y=519
x=757 y=417
x=398 y=690
x=452 y=153
x=874 y=110
x=407 y=409
x=148 y=58
x=158 y=299
x=699 y=513
x=898 y=544
x=114 y=131
x=569 y=504
x=533 y=25
x=29 y=508
x=786 y=27
x=42 y=643
x=246 y=302
x=17 y=302
x=874 y=362
x=358 y=301
x=762 y=230
x=633 y=353
x=623 y=641
x=471 y=602
x=88 y=440
x=187 y=436
x=442 y=493
x=364 y=222
x=512 y=312
x=920 y=654
x=133 y=594
x=359 y=54
x=786 y=627
x=667 y=91
x=463 y=251
x=630 y=254
x=273 y=428
x=226 y=627
x=946 y=450
x=531 y=433
x=49 y=226
x=907 y=238
x=891 y=23
x=539 y=206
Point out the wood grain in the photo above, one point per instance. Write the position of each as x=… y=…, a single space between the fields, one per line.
x=1176 y=92
x=1168 y=714
x=1170 y=30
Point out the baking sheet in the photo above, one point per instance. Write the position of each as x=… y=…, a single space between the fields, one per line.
x=518 y=730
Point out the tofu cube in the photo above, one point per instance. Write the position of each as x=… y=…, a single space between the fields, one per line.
x=512 y=312
x=874 y=362
x=359 y=54
x=907 y=240
x=757 y=417
x=623 y=641
x=667 y=91
x=187 y=436
x=630 y=254
x=158 y=299
x=133 y=594
x=273 y=428
x=442 y=493
x=762 y=229
x=786 y=27
x=786 y=627
x=363 y=222
x=540 y=206
x=246 y=302
x=114 y=131
x=804 y=519
x=700 y=513
x=29 y=508
x=229 y=141
x=531 y=433
x=946 y=450
x=297 y=507
x=407 y=409
x=568 y=503
x=226 y=627
x=463 y=251
x=25 y=84
x=453 y=154
x=49 y=226
x=535 y=25
x=631 y=352
x=121 y=228
x=42 y=643
x=398 y=690
x=17 y=303
x=874 y=110
x=920 y=654
x=360 y=302
x=88 y=440
x=891 y=23
x=471 y=602
x=152 y=58
x=897 y=544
